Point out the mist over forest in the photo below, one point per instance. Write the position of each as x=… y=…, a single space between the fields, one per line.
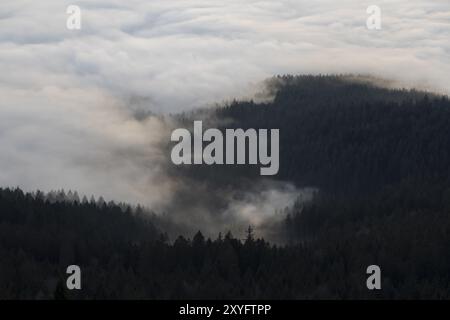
x=364 y=179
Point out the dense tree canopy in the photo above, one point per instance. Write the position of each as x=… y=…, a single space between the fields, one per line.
x=379 y=157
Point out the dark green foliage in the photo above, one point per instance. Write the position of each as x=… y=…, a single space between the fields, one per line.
x=381 y=159
x=39 y=239
x=346 y=136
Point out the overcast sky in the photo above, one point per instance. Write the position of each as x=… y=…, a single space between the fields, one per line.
x=66 y=95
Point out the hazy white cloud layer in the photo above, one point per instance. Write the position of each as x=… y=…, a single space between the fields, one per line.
x=67 y=97
x=180 y=54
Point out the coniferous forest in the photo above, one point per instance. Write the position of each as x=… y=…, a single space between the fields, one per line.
x=379 y=158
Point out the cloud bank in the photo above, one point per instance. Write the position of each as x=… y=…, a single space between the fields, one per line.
x=68 y=98
x=183 y=54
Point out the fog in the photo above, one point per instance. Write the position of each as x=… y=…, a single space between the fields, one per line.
x=75 y=104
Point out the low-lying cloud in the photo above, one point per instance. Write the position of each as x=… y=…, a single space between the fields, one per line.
x=184 y=54
x=73 y=103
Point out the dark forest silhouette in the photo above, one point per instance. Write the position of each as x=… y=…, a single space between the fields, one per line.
x=380 y=158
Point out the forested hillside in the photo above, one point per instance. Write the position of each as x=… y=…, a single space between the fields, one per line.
x=346 y=136
x=380 y=159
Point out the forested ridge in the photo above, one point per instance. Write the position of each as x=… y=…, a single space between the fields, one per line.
x=379 y=157
x=350 y=136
